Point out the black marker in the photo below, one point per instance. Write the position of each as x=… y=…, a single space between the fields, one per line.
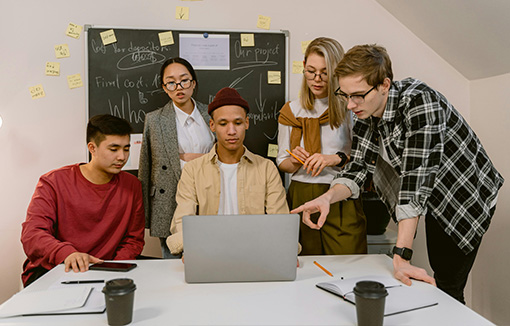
x=83 y=282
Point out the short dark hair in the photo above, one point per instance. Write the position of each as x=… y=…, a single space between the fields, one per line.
x=369 y=60
x=102 y=125
x=183 y=62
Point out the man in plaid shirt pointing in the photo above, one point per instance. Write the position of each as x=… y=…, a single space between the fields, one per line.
x=425 y=161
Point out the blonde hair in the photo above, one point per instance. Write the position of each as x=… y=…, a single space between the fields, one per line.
x=332 y=52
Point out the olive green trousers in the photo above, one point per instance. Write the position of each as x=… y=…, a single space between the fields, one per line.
x=344 y=231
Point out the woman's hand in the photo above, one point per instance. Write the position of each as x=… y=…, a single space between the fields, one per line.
x=300 y=153
x=317 y=162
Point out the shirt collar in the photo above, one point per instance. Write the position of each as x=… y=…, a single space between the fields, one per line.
x=182 y=117
x=213 y=156
x=392 y=103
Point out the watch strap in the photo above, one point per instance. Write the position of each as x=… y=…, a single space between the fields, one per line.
x=343 y=159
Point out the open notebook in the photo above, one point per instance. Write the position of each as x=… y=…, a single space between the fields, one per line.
x=401 y=298
x=59 y=299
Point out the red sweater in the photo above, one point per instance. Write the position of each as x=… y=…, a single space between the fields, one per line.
x=68 y=213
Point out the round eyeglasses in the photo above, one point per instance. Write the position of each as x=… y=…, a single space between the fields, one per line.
x=357 y=98
x=310 y=75
x=172 y=86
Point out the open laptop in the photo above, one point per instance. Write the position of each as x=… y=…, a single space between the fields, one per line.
x=240 y=248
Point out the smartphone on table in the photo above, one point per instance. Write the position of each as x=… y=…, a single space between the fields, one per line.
x=113 y=266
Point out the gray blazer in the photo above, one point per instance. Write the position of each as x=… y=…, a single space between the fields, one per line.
x=160 y=168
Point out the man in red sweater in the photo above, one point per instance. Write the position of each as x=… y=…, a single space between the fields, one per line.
x=86 y=212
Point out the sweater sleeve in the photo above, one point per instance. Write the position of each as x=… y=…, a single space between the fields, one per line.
x=38 y=235
x=133 y=241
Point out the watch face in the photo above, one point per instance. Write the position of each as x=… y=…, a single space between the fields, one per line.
x=405 y=253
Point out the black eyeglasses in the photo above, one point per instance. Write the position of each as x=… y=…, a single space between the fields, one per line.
x=172 y=86
x=358 y=99
x=310 y=75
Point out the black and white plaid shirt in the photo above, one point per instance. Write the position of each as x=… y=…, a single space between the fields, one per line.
x=442 y=166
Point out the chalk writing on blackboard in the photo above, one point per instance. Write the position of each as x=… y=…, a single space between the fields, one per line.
x=123 y=77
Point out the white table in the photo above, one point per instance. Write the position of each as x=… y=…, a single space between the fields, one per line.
x=164 y=298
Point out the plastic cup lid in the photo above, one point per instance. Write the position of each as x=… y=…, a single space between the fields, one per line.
x=119 y=286
x=370 y=289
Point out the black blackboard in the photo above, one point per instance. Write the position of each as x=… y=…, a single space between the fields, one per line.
x=123 y=77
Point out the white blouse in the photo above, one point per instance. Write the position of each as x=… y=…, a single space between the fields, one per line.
x=193 y=133
x=332 y=140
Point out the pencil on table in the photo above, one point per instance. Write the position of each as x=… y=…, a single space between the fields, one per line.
x=325 y=270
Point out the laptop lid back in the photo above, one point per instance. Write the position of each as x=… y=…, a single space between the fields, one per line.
x=240 y=248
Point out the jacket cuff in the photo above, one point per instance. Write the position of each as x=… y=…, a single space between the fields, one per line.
x=403 y=212
x=353 y=187
x=174 y=243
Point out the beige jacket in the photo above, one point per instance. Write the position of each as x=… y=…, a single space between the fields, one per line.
x=259 y=186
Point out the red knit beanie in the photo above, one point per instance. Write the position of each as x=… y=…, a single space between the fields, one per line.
x=227 y=96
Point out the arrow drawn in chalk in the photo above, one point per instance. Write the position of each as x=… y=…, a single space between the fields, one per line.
x=238 y=80
x=273 y=137
x=260 y=103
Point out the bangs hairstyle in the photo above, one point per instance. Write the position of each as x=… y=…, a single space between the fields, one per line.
x=102 y=125
x=369 y=60
x=183 y=62
x=332 y=52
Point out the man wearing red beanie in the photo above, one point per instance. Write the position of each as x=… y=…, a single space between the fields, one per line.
x=229 y=179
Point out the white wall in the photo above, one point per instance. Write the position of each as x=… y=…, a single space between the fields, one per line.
x=490 y=118
x=39 y=135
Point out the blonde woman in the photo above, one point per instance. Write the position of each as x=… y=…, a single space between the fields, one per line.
x=317 y=130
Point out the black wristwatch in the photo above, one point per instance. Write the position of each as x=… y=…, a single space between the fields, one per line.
x=404 y=252
x=343 y=159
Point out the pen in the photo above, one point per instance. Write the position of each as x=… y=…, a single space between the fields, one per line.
x=295 y=157
x=325 y=270
x=83 y=282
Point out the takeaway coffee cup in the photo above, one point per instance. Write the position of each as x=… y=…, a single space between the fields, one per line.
x=370 y=298
x=119 y=295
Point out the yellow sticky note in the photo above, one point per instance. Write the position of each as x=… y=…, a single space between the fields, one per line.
x=274 y=77
x=182 y=13
x=74 y=30
x=36 y=91
x=52 y=69
x=62 y=51
x=247 y=40
x=297 y=67
x=108 y=37
x=74 y=81
x=304 y=45
x=272 y=150
x=166 y=38
x=264 y=22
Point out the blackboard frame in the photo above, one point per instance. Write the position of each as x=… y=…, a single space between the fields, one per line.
x=263 y=119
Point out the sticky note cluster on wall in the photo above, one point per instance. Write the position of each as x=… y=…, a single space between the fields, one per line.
x=53 y=68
